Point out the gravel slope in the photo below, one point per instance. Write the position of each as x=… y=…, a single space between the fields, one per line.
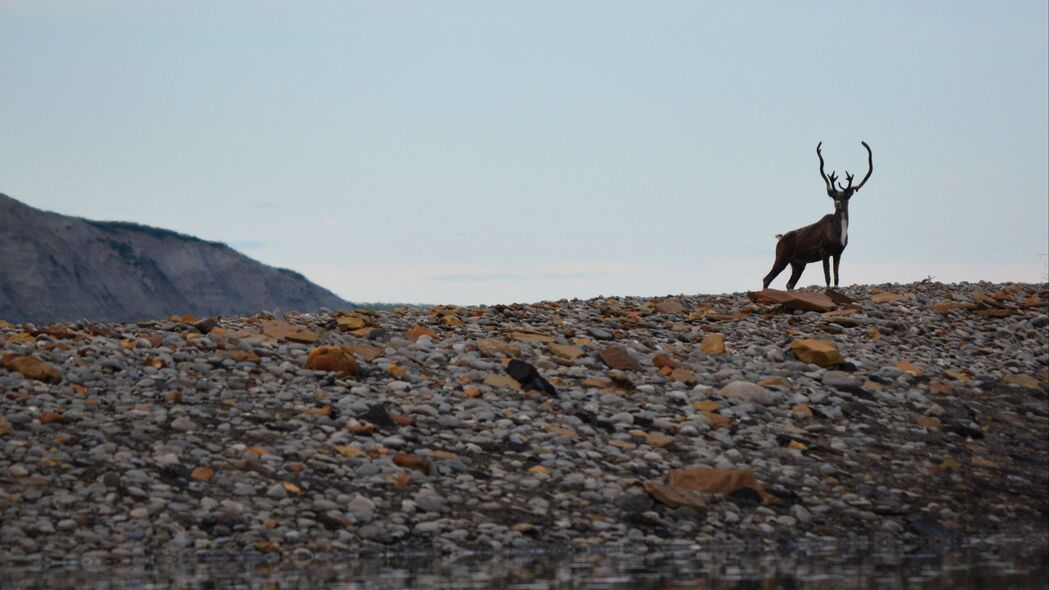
x=180 y=436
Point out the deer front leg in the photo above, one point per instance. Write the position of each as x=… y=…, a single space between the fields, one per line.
x=837 y=258
x=796 y=269
x=826 y=270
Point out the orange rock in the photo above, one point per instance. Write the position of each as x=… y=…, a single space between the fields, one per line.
x=802 y=410
x=887 y=297
x=947 y=307
x=800 y=300
x=1023 y=380
x=940 y=387
x=672 y=497
x=331 y=358
x=565 y=350
x=452 y=321
x=713 y=343
x=22 y=338
x=472 y=392
x=498 y=380
x=561 y=431
x=282 y=330
x=52 y=418
x=981 y=462
x=618 y=358
x=707 y=405
x=359 y=428
x=670 y=306
x=930 y=422
x=536 y=337
x=400 y=479
x=775 y=382
x=349 y=451
x=412 y=462
x=662 y=361
x=291 y=488
x=717 y=481
x=32 y=368
x=539 y=469
x=909 y=367
x=416 y=332
x=202 y=473
x=684 y=376
x=350 y=322
x=658 y=439
x=395 y=370
x=818 y=352
x=367 y=352
x=718 y=421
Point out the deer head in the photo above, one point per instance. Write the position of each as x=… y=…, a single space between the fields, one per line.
x=842 y=194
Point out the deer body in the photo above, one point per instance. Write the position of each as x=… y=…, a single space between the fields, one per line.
x=824 y=240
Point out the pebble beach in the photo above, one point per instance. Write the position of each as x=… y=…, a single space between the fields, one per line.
x=914 y=412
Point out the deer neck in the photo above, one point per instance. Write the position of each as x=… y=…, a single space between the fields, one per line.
x=841 y=214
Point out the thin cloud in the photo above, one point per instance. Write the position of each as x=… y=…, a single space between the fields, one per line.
x=248 y=245
x=489 y=277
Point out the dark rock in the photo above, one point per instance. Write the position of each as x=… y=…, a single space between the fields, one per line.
x=634 y=502
x=529 y=377
x=378 y=416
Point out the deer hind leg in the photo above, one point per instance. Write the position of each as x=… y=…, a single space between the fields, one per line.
x=837 y=258
x=796 y=269
x=777 y=268
x=826 y=270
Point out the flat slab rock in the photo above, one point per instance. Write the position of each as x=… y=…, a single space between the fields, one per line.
x=800 y=300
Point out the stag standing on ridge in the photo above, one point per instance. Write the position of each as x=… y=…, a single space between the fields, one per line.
x=824 y=239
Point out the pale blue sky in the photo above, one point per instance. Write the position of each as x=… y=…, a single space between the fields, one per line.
x=480 y=152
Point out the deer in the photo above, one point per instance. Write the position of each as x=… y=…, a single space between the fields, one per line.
x=825 y=239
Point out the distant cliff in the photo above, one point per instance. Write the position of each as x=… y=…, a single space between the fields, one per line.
x=55 y=267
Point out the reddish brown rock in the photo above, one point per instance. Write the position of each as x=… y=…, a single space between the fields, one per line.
x=713 y=343
x=282 y=330
x=412 y=462
x=672 y=497
x=817 y=352
x=32 y=368
x=565 y=350
x=887 y=297
x=661 y=360
x=367 y=352
x=801 y=300
x=618 y=358
x=670 y=306
x=331 y=358
x=416 y=332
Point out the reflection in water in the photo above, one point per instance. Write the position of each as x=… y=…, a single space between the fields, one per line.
x=1014 y=565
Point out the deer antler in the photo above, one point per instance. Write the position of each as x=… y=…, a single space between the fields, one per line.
x=833 y=178
x=848 y=177
x=870 y=166
x=829 y=181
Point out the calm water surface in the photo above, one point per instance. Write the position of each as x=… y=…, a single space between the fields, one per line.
x=1016 y=565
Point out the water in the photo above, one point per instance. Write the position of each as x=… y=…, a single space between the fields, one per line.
x=1000 y=566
